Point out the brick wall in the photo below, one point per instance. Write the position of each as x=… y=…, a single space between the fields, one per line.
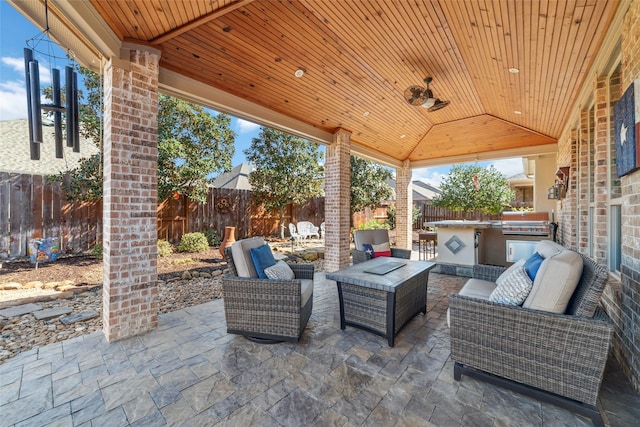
x=337 y=195
x=630 y=271
x=567 y=207
x=404 y=206
x=130 y=304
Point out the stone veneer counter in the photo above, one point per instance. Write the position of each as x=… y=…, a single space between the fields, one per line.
x=457 y=245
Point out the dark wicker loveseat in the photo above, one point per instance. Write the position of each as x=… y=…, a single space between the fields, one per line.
x=557 y=358
x=266 y=310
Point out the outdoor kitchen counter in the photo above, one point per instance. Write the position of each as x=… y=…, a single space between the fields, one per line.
x=461 y=224
x=458 y=245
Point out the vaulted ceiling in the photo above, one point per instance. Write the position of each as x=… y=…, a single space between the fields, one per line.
x=359 y=57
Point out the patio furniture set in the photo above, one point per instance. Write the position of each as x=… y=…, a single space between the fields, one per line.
x=552 y=342
x=304 y=229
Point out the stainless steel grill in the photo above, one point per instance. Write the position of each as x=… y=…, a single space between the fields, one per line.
x=526 y=223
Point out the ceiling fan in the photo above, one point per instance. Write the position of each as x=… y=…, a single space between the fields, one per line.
x=419 y=96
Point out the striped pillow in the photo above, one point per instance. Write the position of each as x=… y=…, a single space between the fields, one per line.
x=513 y=289
x=280 y=270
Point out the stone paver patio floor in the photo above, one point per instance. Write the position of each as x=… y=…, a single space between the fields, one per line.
x=189 y=371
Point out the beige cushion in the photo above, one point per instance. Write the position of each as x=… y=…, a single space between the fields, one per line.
x=555 y=282
x=306 y=291
x=548 y=248
x=241 y=253
x=477 y=288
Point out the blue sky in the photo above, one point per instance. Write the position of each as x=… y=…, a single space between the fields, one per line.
x=15 y=30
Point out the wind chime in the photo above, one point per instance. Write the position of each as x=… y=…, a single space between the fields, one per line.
x=35 y=106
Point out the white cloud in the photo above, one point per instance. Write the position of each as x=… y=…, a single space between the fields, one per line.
x=17 y=65
x=245 y=126
x=13 y=100
x=428 y=175
x=509 y=167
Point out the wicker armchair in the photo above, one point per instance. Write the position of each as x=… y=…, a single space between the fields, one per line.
x=557 y=358
x=374 y=237
x=266 y=310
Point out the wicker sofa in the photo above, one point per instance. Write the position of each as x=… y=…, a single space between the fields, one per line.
x=555 y=357
x=265 y=310
x=374 y=237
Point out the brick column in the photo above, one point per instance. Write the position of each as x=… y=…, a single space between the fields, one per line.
x=568 y=155
x=404 y=206
x=337 y=183
x=600 y=155
x=582 y=243
x=130 y=295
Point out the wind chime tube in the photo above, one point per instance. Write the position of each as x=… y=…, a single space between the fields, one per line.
x=36 y=115
x=57 y=115
x=76 y=115
x=34 y=148
x=68 y=80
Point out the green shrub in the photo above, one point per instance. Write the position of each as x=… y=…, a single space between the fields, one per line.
x=373 y=224
x=96 y=251
x=164 y=248
x=193 y=242
x=212 y=237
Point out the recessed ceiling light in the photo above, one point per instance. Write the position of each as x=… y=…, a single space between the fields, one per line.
x=517 y=112
x=366 y=114
x=403 y=136
x=299 y=72
x=514 y=70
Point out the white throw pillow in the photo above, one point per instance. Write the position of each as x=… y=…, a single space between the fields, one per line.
x=280 y=270
x=514 y=288
x=508 y=271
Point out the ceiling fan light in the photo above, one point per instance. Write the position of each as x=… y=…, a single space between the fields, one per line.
x=429 y=102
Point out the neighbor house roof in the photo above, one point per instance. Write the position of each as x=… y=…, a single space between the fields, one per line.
x=236 y=179
x=14 y=146
x=421 y=190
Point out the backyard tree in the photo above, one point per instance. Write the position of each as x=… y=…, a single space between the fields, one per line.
x=368 y=184
x=287 y=170
x=469 y=187
x=192 y=145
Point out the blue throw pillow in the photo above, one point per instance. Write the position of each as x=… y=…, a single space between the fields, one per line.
x=368 y=249
x=532 y=264
x=262 y=258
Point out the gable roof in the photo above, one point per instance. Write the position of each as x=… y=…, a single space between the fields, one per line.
x=236 y=179
x=15 y=158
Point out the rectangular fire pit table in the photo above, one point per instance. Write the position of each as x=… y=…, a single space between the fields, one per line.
x=382 y=303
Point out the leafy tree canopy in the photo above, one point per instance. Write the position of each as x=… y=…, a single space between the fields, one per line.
x=287 y=170
x=469 y=187
x=368 y=184
x=192 y=145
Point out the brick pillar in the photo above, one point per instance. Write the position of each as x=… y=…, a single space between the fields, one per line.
x=337 y=190
x=568 y=206
x=582 y=243
x=130 y=294
x=601 y=188
x=404 y=206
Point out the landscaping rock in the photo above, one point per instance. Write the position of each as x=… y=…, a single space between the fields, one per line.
x=195 y=274
x=19 y=310
x=205 y=275
x=10 y=286
x=35 y=284
x=51 y=313
x=79 y=317
x=186 y=275
x=51 y=285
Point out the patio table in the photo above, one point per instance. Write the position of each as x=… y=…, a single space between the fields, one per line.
x=382 y=303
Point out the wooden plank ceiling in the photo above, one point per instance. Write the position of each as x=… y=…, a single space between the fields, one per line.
x=360 y=56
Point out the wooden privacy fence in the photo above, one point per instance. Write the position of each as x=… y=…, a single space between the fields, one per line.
x=31 y=208
x=432 y=213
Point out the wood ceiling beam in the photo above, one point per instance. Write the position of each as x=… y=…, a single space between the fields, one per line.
x=202 y=20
